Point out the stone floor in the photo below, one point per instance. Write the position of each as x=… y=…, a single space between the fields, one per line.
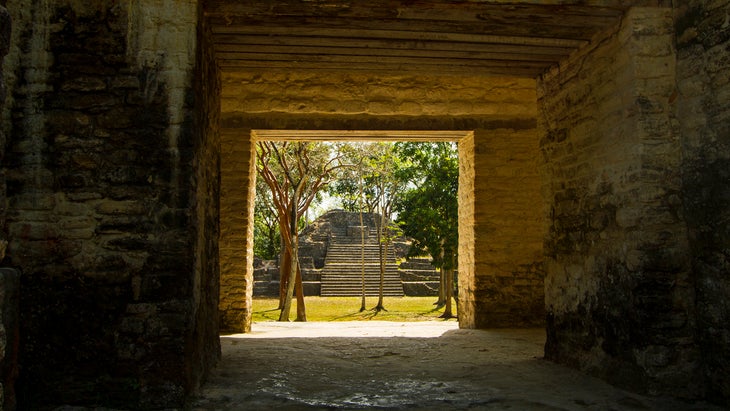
x=396 y=366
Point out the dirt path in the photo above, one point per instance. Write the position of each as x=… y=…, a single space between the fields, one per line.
x=418 y=366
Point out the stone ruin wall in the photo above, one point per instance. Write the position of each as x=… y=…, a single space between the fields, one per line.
x=111 y=187
x=702 y=108
x=504 y=111
x=500 y=217
x=9 y=278
x=635 y=219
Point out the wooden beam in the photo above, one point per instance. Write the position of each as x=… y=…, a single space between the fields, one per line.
x=577 y=27
x=400 y=35
x=358 y=135
x=244 y=51
x=424 y=9
x=401 y=45
x=441 y=68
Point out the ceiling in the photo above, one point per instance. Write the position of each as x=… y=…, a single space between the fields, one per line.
x=514 y=38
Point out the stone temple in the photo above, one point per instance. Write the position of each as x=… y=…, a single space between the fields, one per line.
x=594 y=144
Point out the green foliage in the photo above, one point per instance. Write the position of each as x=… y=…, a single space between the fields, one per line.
x=428 y=210
x=267 y=238
x=377 y=165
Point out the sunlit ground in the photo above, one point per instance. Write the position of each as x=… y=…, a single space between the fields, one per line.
x=348 y=309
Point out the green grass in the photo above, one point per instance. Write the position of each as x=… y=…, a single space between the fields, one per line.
x=348 y=309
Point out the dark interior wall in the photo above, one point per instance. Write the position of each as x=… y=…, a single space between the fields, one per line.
x=205 y=344
x=5 y=31
x=703 y=110
x=111 y=184
x=619 y=288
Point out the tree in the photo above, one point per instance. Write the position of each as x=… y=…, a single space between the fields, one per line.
x=295 y=172
x=267 y=238
x=385 y=185
x=428 y=210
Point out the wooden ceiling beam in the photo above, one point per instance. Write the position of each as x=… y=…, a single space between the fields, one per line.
x=426 y=9
x=244 y=51
x=400 y=45
x=440 y=68
x=399 y=35
x=576 y=27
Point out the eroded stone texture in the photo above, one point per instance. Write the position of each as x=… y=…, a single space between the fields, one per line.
x=500 y=228
x=619 y=291
x=702 y=107
x=238 y=187
x=5 y=32
x=8 y=278
x=112 y=217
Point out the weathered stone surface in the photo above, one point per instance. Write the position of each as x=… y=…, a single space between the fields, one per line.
x=618 y=286
x=500 y=247
x=107 y=202
x=315 y=93
x=701 y=107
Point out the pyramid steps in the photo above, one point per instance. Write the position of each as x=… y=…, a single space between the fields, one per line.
x=342 y=272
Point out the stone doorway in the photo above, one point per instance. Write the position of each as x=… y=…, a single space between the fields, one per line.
x=518 y=306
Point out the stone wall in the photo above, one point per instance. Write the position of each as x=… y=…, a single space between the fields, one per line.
x=703 y=110
x=204 y=338
x=501 y=275
x=5 y=31
x=8 y=278
x=112 y=193
x=619 y=291
x=366 y=94
x=238 y=187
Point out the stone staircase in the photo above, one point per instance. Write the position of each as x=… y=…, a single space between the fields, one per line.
x=342 y=271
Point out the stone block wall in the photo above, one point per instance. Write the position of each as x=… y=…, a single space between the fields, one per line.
x=112 y=194
x=238 y=187
x=619 y=287
x=5 y=32
x=500 y=205
x=315 y=94
x=702 y=108
x=204 y=339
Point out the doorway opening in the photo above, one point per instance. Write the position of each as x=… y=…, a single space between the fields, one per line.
x=327 y=286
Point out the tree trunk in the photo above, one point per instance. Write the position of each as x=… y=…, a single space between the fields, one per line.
x=442 y=279
x=442 y=290
x=294 y=244
x=301 y=312
x=362 y=249
x=382 y=253
x=449 y=274
x=284 y=268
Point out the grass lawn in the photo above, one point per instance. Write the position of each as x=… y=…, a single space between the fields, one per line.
x=348 y=309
